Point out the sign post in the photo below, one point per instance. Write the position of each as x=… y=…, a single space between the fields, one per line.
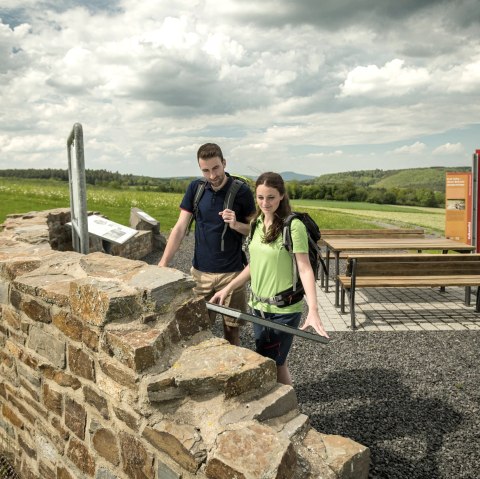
x=78 y=190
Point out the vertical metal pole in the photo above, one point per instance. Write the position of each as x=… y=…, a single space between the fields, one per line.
x=78 y=190
x=474 y=199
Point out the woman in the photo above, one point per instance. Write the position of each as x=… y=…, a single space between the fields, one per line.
x=270 y=272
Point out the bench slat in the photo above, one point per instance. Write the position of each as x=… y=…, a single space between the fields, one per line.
x=418 y=281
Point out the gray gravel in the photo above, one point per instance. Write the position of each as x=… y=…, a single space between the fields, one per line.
x=412 y=397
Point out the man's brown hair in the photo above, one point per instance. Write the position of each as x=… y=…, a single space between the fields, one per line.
x=209 y=150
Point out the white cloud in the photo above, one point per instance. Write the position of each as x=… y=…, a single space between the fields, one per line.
x=449 y=149
x=393 y=79
x=415 y=148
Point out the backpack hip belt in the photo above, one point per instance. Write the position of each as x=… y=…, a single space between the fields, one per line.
x=282 y=299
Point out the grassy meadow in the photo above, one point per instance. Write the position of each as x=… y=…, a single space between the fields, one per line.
x=22 y=196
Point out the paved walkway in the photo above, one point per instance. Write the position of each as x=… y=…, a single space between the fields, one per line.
x=402 y=309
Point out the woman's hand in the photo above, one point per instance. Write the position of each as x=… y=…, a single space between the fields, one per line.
x=313 y=320
x=220 y=296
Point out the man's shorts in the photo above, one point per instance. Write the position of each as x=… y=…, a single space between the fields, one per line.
x=272 y=343
x=207 y=284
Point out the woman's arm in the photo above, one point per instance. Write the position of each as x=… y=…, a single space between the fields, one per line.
x=308 y=280
x=240 y=280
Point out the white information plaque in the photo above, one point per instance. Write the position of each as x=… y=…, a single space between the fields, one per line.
x=109 y=230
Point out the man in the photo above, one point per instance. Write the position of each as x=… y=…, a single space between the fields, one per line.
x=215 y=262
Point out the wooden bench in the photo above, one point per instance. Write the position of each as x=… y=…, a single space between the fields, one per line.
x=409 y=270
x=367 y=233
x=373 y=233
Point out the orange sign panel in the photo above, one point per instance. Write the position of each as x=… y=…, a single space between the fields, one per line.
x=458 y=207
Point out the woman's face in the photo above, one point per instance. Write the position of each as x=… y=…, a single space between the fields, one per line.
x=268 y=199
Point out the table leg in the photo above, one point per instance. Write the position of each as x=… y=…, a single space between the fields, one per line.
x=327 y=262
x=337 y=282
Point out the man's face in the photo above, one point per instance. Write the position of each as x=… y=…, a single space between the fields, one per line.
x=213 y=170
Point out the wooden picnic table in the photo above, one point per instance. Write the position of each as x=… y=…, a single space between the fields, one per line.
x=339 y=245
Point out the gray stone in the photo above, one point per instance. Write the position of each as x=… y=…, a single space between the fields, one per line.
x=164 y=472
x=103 y=473
x=47 y=346
x=4 y=288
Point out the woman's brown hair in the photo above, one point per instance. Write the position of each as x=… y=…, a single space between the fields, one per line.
x=274 y=180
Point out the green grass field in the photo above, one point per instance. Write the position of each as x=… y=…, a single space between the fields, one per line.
x=22 y=196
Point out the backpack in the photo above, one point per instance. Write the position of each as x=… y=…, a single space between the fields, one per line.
x=295 y=293
x=227 y=204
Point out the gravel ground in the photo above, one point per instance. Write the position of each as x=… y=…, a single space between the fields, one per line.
x=412 y=397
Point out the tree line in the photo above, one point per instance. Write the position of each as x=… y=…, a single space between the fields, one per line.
x=338 y=191
x=349 y=191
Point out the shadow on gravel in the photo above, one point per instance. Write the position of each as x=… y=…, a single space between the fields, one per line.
x=373 y=407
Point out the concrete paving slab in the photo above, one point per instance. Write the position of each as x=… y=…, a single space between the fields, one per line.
x=402 y=309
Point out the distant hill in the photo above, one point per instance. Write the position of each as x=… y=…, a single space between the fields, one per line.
x=291 y=176
x=432 y=178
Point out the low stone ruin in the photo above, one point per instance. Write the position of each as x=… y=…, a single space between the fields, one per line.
x=109 y=369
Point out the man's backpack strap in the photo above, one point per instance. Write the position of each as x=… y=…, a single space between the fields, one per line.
x=196 y=199
x=228 y=204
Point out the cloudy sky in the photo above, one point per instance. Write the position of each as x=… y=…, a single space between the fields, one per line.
x=312 y=86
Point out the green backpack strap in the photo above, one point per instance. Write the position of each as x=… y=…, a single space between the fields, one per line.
x=228 y=204
x=196 y=199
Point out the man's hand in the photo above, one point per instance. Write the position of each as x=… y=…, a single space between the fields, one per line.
x=229 y=217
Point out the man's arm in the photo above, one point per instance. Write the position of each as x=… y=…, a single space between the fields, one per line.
x=175 y=238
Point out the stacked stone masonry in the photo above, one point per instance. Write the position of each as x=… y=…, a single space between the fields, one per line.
x=108 y=369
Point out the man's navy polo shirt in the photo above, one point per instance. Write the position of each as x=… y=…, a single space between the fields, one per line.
x=209 y=225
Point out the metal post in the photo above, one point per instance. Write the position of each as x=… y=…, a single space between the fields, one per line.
x=474 y=199
x=265 y=322
x=78 y=190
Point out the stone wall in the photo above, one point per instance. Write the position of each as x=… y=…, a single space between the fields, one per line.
x=108 y=369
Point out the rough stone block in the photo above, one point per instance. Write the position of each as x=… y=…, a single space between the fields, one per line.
x=279 y=401
x=60 y=377
x=53 y=400
x=105 y=443
x=11 y=318
x=24 y=411
x=160 y=287
x=75 y=417
x=165 y=472
x=192 y=317
x=63 y=473
x=78 y=453
x=138 y=348
x=80 y=363
x=182 y=442
x=47 y=346
x=118 y=373
x=347 y=458
x=97 y=401
x=4 y=291
x=131 y=419
x=103 y=473
x=45 y=471
x=36 y=310
x=27 y=447
x=250 y=452
x=100 y=302
x=45 y=449
x=214 y=366
x=71 y=327
x=9 y=414
x=51 y=280
x=136 y=460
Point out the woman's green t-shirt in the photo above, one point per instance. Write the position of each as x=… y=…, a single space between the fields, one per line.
x=271 y=267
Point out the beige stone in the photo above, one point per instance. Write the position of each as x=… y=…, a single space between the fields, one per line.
x=182 y=442
x=251 y=452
